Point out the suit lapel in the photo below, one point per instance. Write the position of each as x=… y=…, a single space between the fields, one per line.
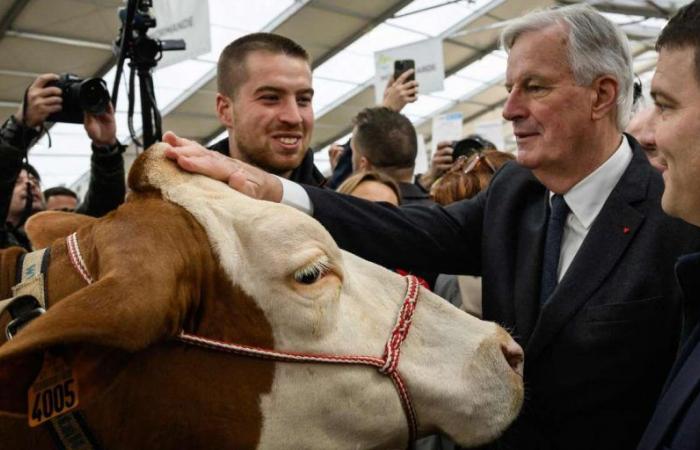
x=529 y=263
x=611 y=233
x=678 y=392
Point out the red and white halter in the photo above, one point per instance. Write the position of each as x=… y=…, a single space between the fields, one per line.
x=386 y=365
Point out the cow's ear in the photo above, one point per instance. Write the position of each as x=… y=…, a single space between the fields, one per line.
x=45 y=227
x=97 y=329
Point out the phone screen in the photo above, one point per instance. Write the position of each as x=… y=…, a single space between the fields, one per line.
x=402 y=65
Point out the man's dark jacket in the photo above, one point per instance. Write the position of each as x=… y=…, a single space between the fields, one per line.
x=412 y=194
x=306 y=173
x=675 y=424
x=598 y=352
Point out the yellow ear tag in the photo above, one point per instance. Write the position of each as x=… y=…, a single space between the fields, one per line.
x=54 y=392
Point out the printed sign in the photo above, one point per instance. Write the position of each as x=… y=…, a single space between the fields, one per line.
x=430 y=67
x=446 y=127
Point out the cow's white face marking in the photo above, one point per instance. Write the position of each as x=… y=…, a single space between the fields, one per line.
x=322 y=300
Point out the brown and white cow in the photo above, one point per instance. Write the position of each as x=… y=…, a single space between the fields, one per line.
x=214 y=263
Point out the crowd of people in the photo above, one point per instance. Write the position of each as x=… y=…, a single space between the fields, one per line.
x=583 y=244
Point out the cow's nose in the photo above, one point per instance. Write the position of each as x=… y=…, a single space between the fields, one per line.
x=514 y=355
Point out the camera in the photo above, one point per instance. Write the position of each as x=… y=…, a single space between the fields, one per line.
x=470 y=145
x=90 y=95
x=402 y=65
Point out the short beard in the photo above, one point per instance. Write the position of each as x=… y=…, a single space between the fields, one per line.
x=251 y=157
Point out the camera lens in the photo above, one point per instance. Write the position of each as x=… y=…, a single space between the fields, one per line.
x=94 y=96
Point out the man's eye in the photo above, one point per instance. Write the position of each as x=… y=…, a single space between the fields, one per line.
x=269 y=98
x=304 y=101
x=660 y=107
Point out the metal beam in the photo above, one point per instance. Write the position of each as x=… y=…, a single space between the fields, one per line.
x=58 y=40
x=372 y=23
x=648 y=8
x=11 y=15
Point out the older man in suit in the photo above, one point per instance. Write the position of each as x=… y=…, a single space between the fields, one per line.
x=575 y=252
x=676 y=92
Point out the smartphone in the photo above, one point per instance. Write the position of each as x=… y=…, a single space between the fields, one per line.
x=402 y=65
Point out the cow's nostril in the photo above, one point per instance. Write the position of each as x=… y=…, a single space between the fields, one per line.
x=514 y=355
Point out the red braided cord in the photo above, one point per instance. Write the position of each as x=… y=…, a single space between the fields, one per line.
x=76 y=258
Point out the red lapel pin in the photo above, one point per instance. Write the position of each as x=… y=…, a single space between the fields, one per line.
x=626 y=230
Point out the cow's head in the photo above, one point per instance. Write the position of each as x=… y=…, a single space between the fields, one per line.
x=296 y=291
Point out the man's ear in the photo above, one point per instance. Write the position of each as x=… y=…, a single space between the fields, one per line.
x=605 y=89
x=45 y=227
x=224 y=110
x=364 y=164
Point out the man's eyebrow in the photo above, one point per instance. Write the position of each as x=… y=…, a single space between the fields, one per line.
x=279 y=90
x=268 y=88
x=658 y=94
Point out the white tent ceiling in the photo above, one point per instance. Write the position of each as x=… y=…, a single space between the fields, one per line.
x=39 y=36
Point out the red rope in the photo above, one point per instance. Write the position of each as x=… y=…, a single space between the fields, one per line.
x=76 y=258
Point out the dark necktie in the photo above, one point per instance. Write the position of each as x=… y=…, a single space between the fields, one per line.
x=552 y=246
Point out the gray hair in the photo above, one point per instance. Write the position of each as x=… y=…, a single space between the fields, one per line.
x=595 y=46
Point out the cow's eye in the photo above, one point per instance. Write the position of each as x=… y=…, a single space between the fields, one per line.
x=312 y=273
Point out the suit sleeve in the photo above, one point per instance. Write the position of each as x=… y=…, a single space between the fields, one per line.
x=415 y=237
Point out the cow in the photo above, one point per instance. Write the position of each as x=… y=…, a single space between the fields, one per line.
x=188 y=267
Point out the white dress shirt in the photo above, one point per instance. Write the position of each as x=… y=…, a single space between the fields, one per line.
x=585 y=201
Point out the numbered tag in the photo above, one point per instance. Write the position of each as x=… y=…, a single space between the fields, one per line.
x=54 y=392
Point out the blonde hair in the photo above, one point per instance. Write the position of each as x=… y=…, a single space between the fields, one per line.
x=353 y=181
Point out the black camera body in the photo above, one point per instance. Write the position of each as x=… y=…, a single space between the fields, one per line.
x=79 y=95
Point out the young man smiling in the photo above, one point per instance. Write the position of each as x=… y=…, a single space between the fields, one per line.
x=264 y=101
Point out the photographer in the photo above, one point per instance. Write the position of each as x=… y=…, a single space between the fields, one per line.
x=18 y=201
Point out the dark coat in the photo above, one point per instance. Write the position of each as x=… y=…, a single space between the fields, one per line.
x=597 y=354
x=306 y=173
x=675 y=424
x=412 y=194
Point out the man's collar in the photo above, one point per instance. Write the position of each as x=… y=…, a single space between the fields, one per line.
x=588 y=196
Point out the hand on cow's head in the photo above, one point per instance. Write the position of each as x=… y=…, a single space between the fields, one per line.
x=45 y=227
x=247 y=179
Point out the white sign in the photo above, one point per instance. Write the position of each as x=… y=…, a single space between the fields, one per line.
x=430 y=67
x=182 y=19
x=422 y=157
x=492 y=131
x=446 y=127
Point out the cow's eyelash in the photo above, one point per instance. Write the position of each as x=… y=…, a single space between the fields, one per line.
x=313 y=272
